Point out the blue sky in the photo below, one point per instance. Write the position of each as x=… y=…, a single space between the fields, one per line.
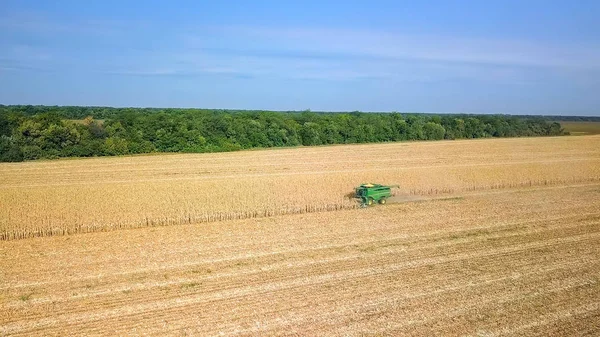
x=520 y=57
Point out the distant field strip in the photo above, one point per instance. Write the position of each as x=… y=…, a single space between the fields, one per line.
x=581 y=128
x=50 y=198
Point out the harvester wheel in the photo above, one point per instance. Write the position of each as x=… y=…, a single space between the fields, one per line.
x=382 y=201
x=370 y=201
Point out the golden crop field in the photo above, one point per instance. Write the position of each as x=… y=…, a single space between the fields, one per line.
x=495 y=237
x=71 y=196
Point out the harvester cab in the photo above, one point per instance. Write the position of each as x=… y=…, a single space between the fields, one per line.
x=368 y=194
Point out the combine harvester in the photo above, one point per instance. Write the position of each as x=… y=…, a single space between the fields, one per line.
x=372 y=193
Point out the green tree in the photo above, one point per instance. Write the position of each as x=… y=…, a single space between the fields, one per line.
x=9 y=150
x=115 y=146
x=310 y=134
x=433 y=131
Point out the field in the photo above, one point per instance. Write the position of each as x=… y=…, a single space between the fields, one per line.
x=100 y=194
x=581 y=128
x=502 y=237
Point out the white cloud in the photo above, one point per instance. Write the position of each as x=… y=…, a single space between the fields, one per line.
x=384 y=44
x=350 y=54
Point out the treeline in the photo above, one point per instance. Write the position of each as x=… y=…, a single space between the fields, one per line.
x=35 y=132
x=100 y=112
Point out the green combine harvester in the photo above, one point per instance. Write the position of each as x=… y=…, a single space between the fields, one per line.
x=368 y=194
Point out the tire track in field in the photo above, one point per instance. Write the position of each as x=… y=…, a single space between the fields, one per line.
x=583 y=321
x=407 y=241
x=354 y=315
x=549 y=319
x=492 y=301
x=175 y=311
x=246 y=274
x=178 y=303
x=376 y=298
x=348 y=310
x=270 y=267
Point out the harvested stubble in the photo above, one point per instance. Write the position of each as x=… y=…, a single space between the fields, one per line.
x=100 y=194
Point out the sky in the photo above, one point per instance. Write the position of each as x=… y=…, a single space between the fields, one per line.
x=514 y=57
